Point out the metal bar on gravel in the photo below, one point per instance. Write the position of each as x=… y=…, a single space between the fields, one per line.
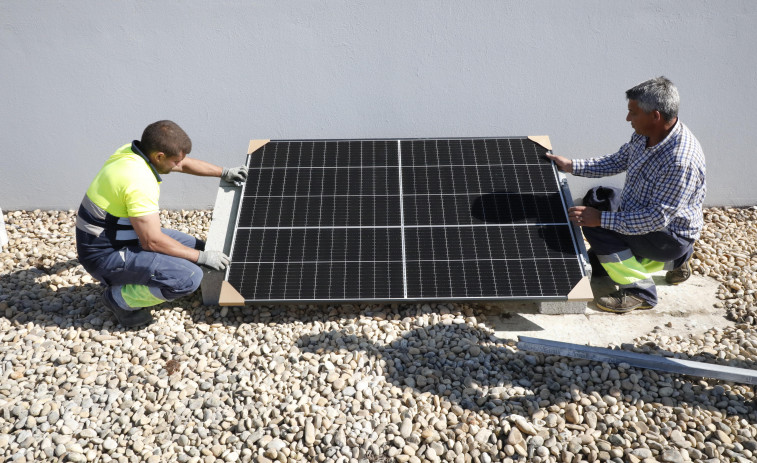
x=652 y=362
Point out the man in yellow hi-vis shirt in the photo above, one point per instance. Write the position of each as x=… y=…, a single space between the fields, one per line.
x=119 y=239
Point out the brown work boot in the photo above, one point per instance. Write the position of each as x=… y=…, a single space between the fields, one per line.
x=621 y=302
x=680 y=274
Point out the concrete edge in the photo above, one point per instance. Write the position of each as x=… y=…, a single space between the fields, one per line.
x=220 y=237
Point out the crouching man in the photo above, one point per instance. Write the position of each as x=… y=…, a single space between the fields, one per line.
x=119 y=239
x=652 y=223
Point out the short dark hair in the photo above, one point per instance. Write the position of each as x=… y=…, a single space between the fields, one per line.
x=166 y=137
x=658 y=94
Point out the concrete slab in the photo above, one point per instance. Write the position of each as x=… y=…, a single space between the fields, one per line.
x=682 y=310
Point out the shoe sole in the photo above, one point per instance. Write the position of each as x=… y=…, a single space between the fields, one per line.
x=613 y=310
x=679 y=282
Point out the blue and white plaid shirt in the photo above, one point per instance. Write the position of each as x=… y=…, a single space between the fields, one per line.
x=664 y=188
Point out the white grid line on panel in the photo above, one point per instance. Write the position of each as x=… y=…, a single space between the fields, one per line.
x=444 y=218
x=488 y=243
x=381 y=166
x=388 y=235
x=318 y=240
x=475 y=246
x=307 y=210
x=493 y=259
x=257 y=275
x=278 y=221
x=346 y=236
x=499 y=229
x=460 y=225
x=459 y=236
x=291 y=221
x=402 y=218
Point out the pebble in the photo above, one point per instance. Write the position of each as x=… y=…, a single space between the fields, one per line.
x=309 y=433
x=110 y=444
x=514 y=437
x=343 y=383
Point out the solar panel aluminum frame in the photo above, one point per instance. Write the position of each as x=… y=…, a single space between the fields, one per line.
x=581 y=291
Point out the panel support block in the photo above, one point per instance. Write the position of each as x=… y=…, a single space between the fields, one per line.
x=562 y=307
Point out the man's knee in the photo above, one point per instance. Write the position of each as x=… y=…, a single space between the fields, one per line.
x=194 y=280
x=183 y=279
x=599 y=237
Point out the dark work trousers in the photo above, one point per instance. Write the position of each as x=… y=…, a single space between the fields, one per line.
x=139 y=278
x=631 y=259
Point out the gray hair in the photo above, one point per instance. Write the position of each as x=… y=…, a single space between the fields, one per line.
x=658 y=94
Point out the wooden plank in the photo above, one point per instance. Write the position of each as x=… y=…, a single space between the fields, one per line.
x=651 y=362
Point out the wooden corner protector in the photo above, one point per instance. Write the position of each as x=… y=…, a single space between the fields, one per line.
x=229 y=295
x=256 y=145
x=582 y=291
x=542 y=140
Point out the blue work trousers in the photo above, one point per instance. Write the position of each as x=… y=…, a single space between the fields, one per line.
x=167 y=277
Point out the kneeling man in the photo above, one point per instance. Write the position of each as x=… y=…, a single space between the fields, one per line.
x=652 y=223
x=119 y=239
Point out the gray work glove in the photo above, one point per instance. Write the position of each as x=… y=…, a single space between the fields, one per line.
x=213 y=259
x=236 y=175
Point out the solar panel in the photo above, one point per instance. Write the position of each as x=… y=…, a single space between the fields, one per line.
x=392 y=220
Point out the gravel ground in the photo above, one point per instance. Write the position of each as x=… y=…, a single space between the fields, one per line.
x=376 y=383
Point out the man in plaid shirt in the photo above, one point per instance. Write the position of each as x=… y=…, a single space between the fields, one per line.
x=652 y=223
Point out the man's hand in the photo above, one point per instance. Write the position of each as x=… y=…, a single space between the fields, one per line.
x=213 y=259
x=585 y=216
x=563 y=163
x=235 y=174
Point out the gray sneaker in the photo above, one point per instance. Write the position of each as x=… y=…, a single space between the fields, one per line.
x=127 y=318
x=680 y=274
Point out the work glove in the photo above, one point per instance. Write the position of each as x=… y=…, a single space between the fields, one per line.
x=213 y=259
x=236 y=175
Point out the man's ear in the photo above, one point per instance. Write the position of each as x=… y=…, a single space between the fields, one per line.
x=158 y=156
x=657 y=116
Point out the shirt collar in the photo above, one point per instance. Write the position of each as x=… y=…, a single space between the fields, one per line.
x=670 y=136
x=136 y=150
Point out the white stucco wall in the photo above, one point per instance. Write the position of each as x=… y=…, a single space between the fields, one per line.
x=80 y=78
